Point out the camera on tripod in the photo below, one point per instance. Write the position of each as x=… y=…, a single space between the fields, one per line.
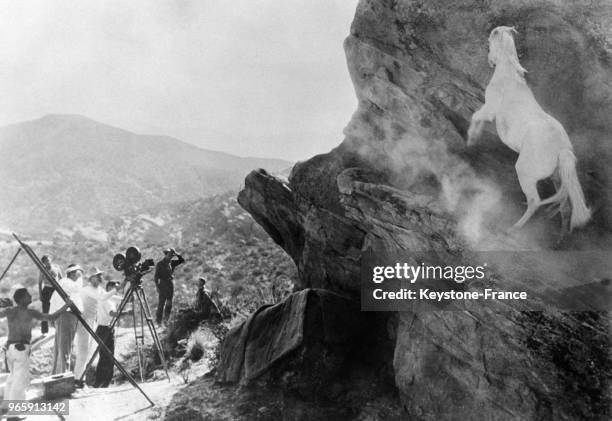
x=130 y=264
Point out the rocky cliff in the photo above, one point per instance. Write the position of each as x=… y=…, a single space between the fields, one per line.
x=403 y=182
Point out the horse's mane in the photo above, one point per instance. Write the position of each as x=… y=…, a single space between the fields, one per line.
x=502 y=41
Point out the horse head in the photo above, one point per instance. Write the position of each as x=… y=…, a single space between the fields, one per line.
x=502 y=49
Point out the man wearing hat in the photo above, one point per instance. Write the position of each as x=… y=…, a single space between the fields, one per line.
x=107 y=310
x=164 y=274
x=91 y=296
x=66 y=323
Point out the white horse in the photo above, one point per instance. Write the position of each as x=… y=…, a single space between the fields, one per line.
x=543 y=146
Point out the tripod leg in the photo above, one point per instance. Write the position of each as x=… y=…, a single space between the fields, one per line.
x=150 y=318
x=151 y=324
x=137 y=337
x=145 y=306
x=10 y=263
x=126 y=299
x=142 y=335
x=141 y=324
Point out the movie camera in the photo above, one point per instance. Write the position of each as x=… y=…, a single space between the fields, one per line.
x=130 y=264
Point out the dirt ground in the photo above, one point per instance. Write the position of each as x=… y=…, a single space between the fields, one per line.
x=191 y=394
x=181 y=397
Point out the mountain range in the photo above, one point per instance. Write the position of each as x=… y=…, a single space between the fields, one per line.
x=61 y=170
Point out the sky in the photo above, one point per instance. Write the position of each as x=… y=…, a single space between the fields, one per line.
x=264 y=78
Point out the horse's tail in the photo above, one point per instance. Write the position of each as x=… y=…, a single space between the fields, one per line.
x=570 y=186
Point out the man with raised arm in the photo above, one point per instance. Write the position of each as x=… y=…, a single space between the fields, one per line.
x=164 y=274
x=18 y=345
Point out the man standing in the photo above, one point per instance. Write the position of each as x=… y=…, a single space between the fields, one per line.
x=66 y=323
x=107 y=310
x=18 y=344
x=91 y=296
x=164 y=274
x=45 y=289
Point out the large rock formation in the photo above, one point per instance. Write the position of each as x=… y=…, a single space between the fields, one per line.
x=404 y=183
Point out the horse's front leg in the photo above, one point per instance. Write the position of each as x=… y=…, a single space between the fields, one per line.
x=484 y=114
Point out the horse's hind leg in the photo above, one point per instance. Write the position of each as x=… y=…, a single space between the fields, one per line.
x=529 y=187
x=566 y=213
x=565 y=209
x=554 y=206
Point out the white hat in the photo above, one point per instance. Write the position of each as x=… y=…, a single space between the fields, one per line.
x=95 y=272
x=73 y=268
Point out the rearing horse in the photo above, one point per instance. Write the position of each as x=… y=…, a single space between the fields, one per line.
x=543 y=146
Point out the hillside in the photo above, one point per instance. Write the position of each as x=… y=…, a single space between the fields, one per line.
x=218 y=239
x=60 y=170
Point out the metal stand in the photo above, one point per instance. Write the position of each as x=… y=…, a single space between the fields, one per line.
x=136 y=295
x=10 y=263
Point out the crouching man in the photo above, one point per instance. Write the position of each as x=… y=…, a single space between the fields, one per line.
x=18 y=345
x=204 y=303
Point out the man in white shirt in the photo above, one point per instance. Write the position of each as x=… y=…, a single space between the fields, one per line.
x=66 y=323
x=91 y=296
x=107 y=310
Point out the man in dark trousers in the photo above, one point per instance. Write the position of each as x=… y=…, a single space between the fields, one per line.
x=107 y=310
x=45 y=289
x=164 y=274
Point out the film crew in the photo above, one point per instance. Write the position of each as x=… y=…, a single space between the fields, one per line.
x=66 y=323
x=91 y=297
x=164 y=274
x=18 y=345
x=107 y=310
x=45 y=288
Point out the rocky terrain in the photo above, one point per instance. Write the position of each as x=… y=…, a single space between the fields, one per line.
x=404 y=183
x=218 y=239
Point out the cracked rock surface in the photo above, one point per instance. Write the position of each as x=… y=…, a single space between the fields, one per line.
x=403 y=182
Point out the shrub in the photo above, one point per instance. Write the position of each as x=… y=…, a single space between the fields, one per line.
x=236 y=275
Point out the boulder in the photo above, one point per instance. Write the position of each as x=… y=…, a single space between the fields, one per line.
x=273 y=336
x=403 y=182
